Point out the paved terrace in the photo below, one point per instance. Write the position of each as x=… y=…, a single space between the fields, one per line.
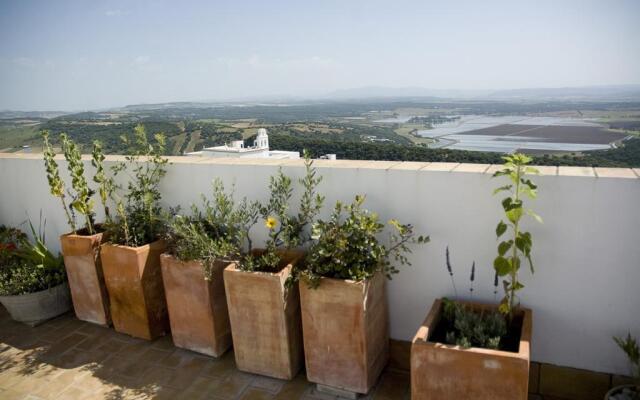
x=70 y=359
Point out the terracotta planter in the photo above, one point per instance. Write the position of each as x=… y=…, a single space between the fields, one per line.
x=440 y=371
x=86 y=281
x=36 y=308
x=265 y=320
x=136 y=293
x=197 y=307
x=346 y=332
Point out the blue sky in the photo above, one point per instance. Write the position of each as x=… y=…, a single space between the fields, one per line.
x=76 y=55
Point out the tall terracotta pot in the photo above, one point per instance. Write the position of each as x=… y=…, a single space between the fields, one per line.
x=134 y=282
x=440 y=371
x=265 y=320
x=346 y=332
x=86 y=280
x=197 y=307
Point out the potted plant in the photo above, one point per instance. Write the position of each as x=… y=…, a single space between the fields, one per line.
x=33 y=285
x=264 y=310
x=81 y=246
x=466 y=349
x=199 y=247
x=131 y=258
x=631 y=391
x=343 y=298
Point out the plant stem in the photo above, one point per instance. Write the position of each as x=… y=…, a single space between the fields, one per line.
x=66 y=211
x=516 y=229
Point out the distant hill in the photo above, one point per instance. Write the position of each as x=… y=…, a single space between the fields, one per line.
x=381 y=92
x=31 y=114
x=589 y=93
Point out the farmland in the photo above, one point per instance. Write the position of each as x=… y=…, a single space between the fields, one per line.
x=556 y=132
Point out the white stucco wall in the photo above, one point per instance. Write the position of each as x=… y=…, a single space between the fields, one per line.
x=587 y=282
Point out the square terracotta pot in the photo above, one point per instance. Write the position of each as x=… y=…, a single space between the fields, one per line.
x=440 y=371
x=197 y=307
x=265 y=320
x=136 y=292
x=86 y=280
x=346 y=332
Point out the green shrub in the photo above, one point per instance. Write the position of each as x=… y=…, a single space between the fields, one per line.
x=347 y=247
x=138 y=210
x=630 y=347
x=286 y=230
x=217 y=230
x=30 y=267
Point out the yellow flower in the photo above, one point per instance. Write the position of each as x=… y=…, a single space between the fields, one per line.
x=271 y=223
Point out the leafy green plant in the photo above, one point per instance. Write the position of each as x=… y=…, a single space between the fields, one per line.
x=218 y=230
x=33 y=268
x=286 y=231
x=507 y=263
x=631 y=348
x=106 y=184
x=81 y=197
x=138 y=211
x=81 y=200
x=56 y=184
x=346 y=246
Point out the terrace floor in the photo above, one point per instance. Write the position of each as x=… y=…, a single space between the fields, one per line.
x=69 y=359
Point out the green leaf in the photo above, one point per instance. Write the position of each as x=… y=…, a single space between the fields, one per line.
x=514 y=214
x=504 y=247
x=501 y=266
x=502 y=188
x=501 y=228
x=534 y=215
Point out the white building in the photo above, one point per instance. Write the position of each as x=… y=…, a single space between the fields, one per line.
x=236 y=148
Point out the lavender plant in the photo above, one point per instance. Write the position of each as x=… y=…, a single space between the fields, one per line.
x=466 y=327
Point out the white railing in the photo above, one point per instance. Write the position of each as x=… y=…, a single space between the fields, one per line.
x=586 y=287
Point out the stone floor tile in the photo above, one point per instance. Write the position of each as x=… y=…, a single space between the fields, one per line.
x=271 y=385
x=231 y=386
x=392 y=385
x=163 y=343
x=200 y=388
x=294 y=389
x=218 y=368
x=12 y=395
x=153 y=356
x=256 y=394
